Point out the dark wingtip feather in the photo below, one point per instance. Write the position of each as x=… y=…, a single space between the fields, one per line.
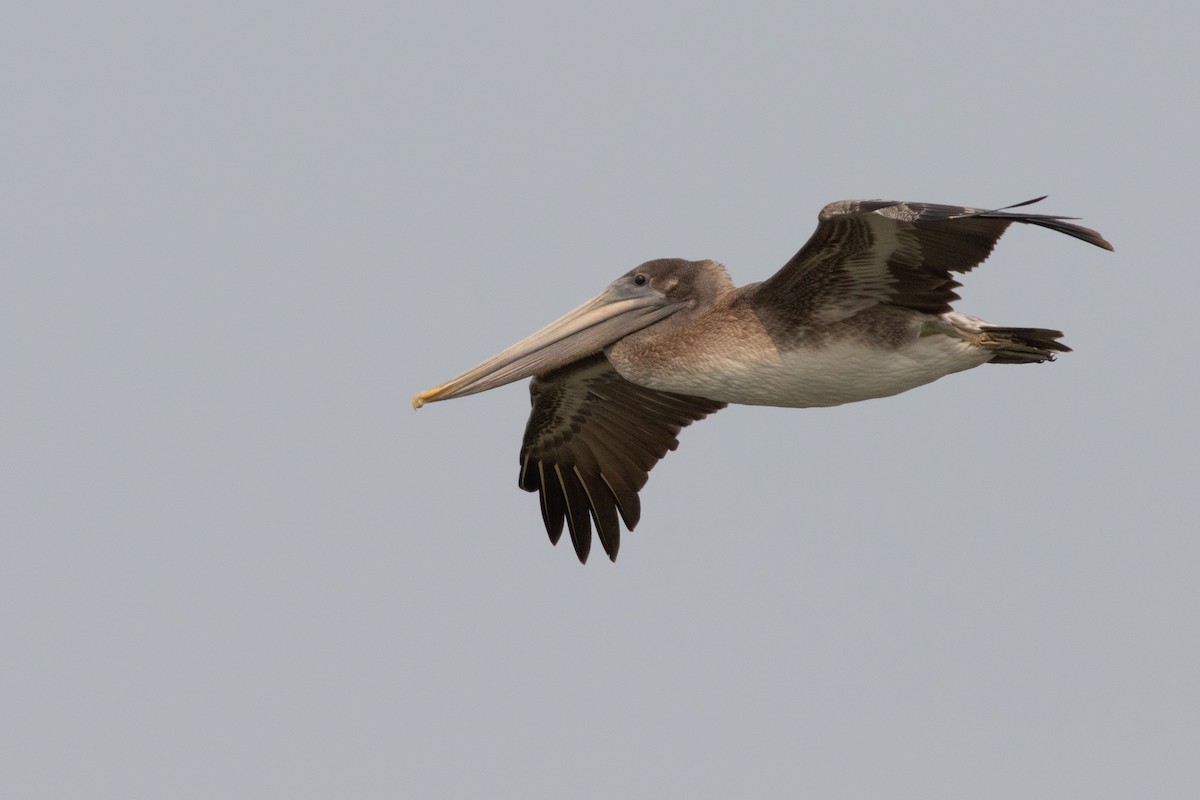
x=1052 y=221
x=579 y=522
x=1078 y=231
x=553 y=508
x=1019 y=205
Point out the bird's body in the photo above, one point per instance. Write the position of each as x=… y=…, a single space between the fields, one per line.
x=731 y=357
x=862 y=311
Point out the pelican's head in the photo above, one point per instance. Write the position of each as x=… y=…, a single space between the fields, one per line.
x=644 y=296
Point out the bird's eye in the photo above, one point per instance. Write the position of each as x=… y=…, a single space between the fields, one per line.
x=640 y=280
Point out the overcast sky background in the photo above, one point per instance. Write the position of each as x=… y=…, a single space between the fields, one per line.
x=238 y=237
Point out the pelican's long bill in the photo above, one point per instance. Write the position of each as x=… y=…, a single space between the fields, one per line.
x=613 y=314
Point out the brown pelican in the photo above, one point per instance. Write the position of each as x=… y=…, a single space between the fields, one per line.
x=862 y=310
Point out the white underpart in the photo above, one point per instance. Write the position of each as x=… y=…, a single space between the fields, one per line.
x=842 y=371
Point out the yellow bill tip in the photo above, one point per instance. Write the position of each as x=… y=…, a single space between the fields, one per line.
x=437 y=393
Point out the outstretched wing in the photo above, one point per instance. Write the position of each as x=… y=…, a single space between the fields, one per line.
x=589 y=446
x=867 y=252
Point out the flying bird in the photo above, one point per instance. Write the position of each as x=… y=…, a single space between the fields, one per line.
x=863 y=310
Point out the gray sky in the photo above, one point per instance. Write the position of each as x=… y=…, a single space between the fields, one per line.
x=237 y=238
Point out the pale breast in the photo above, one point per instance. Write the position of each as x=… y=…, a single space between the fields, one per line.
x=736 y=361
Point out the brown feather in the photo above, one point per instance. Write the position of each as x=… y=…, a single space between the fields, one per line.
x=589 y=446
x=870 y=252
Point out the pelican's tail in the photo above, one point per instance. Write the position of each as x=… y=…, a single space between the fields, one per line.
x=1021 y=345
x=1006 y=345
